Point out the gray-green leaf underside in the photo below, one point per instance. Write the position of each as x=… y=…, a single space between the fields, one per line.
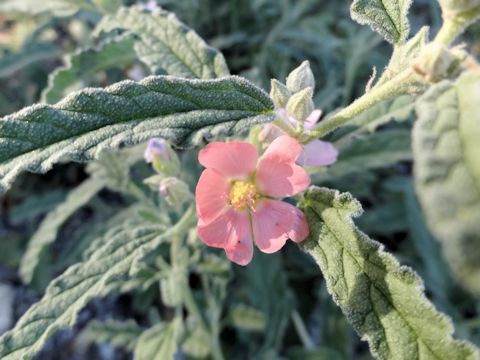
x=387 y=17
x=48 y=230
x=447 y=172
x=187 y=112
x=82 y=64
x=70 y=292
x=117 y=333
x=383 y=300
x=166 y=45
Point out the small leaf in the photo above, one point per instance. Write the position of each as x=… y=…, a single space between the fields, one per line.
x=197 y=343
x=167 y=45
x=387 y=17
x=380 y=149
x=404 y=54
x=30 y=54
x=83 y=63
x=35 y=7
x=117 y=333
x=159 y=342
x=127 y=113
x=69 y=293
x=50 y=226
x=447 y=172
x=246 y=318
x=383 y=300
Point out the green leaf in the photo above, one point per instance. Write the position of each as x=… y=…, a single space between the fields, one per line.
x=159 y=342
x=30 y=54
x=447 y=172
x=387 y=17
x=380 y=149
x=35 y=7
x=68 y=294
x=398 y=109
x=197 y=343
x=383 y=300
x=81 y=65
x=117 y=333
x=35 y=205
x=167 y=45
x=81 y=126
x=47 y=232
x=246 y=318
x=404 y=54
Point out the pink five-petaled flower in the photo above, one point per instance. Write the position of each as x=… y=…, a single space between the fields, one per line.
x=236 y=197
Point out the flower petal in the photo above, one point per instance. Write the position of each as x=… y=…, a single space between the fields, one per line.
x=273 y=222
x=283 y=148
x=277 y=174
x=281 y=180
x=234 y=159
x=312 y=119
x=227 y=230
x=318 y=153
x=211 y=195
x=242 y=252
x=300 y=229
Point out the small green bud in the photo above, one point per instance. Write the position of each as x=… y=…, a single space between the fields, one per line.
x=175 y=191
x=436 y=62
x=162 y=157
x=279 y=93
x=454 y=7
x=301 y=104
x=301 y=78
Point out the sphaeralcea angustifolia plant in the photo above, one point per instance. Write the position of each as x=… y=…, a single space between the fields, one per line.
x=261 y=149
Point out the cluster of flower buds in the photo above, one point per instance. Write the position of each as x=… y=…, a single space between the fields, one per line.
x=296 y=116
x=166 y=164
x=436 y=62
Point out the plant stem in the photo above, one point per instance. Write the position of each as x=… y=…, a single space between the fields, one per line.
x=302 y=330
x=455 y=25
x=396 y=86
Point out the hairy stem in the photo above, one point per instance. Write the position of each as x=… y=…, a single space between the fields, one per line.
x=398 y=85
x=455 y=25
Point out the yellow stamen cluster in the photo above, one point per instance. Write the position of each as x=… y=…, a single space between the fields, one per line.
x=243 y=194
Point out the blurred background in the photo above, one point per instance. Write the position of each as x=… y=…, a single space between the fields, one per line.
x=261 y=39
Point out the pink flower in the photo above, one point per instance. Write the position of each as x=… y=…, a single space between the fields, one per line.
x=316 y=153
x=236 y=197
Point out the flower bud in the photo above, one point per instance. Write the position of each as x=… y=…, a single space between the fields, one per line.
x=301 y=78
x=279 y=93
x=175 y=191
x=300 y=105
x=454 y=7
x=163 y=159
x=436 y=62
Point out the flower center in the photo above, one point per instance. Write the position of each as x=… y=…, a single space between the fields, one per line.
x=243 y=194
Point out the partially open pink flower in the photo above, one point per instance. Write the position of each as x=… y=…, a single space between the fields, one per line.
x=237 y=197
x=316 y=153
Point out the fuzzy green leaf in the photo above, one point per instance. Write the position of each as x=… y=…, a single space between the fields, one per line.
x=160 y=342
x=81 y=126
x=167 y=45
x=383 y=300
x=380 y=149
x=246 y=318
x=50 y=226
x=30 y=54
x=404 y=54
x=82 y=64
x=117 y=333
x=387 y=17
x=35 y=7
x=447 y=172
x=68 y=294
